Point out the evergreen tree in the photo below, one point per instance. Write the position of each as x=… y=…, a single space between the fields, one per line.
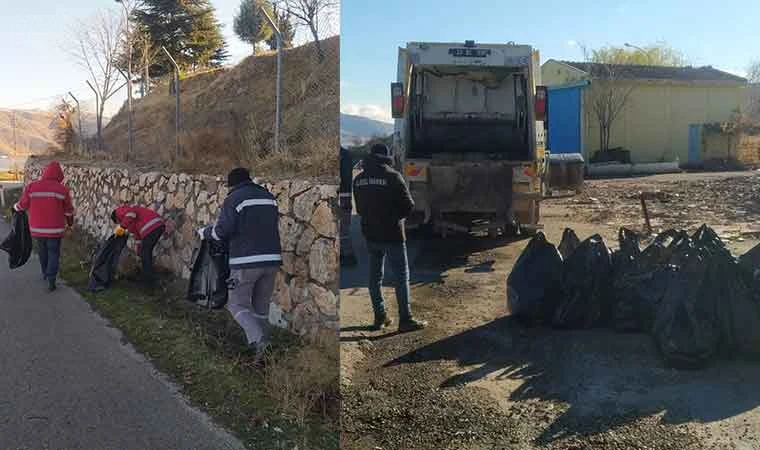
x=287 y=30
x=188 y=29
x=250 y=23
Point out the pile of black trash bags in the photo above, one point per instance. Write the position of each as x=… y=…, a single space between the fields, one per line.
x=690 y=293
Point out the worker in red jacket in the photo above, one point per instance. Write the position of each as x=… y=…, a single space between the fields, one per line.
x=50 y=210
x=147 y=227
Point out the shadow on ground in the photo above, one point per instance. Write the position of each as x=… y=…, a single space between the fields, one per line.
x=429 y=257
x=607 y=379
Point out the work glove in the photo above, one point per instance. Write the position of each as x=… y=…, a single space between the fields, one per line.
x=119 y=231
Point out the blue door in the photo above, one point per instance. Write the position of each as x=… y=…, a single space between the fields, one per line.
x=565 y=119
x=695 y=143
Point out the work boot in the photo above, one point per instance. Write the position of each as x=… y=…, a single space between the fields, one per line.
x=411 y=325
x=381 y=321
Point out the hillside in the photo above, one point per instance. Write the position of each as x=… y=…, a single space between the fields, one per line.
x=228 y=117
x=356 y=130
x=33 y=133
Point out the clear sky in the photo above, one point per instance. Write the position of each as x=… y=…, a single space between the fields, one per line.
x=36 y=70
x=724 y=34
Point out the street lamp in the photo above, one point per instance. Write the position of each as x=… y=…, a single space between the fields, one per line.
x=644 y=52
x=129 y=76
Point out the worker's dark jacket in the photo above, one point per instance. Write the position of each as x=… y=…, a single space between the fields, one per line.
x=248 y=223
x=346 y=171
x=382 y=200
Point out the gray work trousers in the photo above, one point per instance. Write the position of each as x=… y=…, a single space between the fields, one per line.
x=250 y=293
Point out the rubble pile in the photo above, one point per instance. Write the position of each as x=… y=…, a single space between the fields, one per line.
x=694 y=297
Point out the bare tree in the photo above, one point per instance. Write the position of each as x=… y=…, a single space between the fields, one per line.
x=753 y=72
x=97 y=45
x=308 y=13
x=146 y=53
x=608 y=95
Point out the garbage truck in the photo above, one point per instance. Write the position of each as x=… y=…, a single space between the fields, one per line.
x=468 y=135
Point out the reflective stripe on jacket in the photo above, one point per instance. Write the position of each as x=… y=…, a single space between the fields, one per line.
x=48 y=203
x=249 y=224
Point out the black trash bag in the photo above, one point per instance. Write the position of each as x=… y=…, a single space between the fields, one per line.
x=585 y=286
x=638 y=286
x=105 y=263
x=750 y=263
x=639 y=295
x=533 y=286
x=707 y=239
x=569 y=243
x=737 y=304
x=208 y=279
x=687 y=328
x=18 y=243
x=626 y=257
x=664 y=248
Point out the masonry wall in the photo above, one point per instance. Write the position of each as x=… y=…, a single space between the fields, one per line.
x=306 y=295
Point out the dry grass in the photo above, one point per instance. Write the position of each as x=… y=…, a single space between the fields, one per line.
x=228 y=118
x=304 y=381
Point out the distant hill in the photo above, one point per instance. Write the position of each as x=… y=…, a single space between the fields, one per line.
x=357 y=130
x=33 y=133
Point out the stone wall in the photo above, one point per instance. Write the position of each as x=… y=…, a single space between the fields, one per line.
x=306 y=296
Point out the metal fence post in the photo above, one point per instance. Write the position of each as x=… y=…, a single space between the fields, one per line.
x=97 y=113
x=176 y=93
x=278 y=87
x=130 y=128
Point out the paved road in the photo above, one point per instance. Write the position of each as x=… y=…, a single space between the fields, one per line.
x=67 y=382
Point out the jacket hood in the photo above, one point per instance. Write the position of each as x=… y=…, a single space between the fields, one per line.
x=53 y=172
x=375 y=161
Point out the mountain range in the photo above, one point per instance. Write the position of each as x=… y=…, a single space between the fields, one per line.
x=357 y=130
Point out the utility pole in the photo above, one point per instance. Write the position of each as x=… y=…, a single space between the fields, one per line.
x=278 y=90
x=178 y=127
x=15 y=151
x=79 y=116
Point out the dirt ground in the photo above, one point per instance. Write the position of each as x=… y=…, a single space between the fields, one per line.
x=475 y=379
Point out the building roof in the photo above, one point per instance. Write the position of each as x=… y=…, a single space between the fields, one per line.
x=689 y=73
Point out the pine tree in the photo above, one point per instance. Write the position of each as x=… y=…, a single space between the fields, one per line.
x=287 y=30
x=250 y=24
x=188 y=29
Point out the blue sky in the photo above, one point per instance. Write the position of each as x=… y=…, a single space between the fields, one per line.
x=723 y=34
x=37 y=70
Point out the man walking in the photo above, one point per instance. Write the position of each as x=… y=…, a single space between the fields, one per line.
x=51 y=211
x=147 y=227
x=248 y=225
x=347 y=256
x=383 y=201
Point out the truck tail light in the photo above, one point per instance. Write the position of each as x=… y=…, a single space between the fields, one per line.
x=541 y=102
x=397 y=100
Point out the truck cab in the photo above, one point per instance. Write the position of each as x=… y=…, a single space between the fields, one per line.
x=466 y=137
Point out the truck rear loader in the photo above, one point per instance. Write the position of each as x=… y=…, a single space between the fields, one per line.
x=466 y=135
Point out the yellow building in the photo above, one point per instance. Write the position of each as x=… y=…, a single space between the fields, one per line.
x=654 y=124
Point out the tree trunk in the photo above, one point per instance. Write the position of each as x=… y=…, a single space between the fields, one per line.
x=315 y=34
